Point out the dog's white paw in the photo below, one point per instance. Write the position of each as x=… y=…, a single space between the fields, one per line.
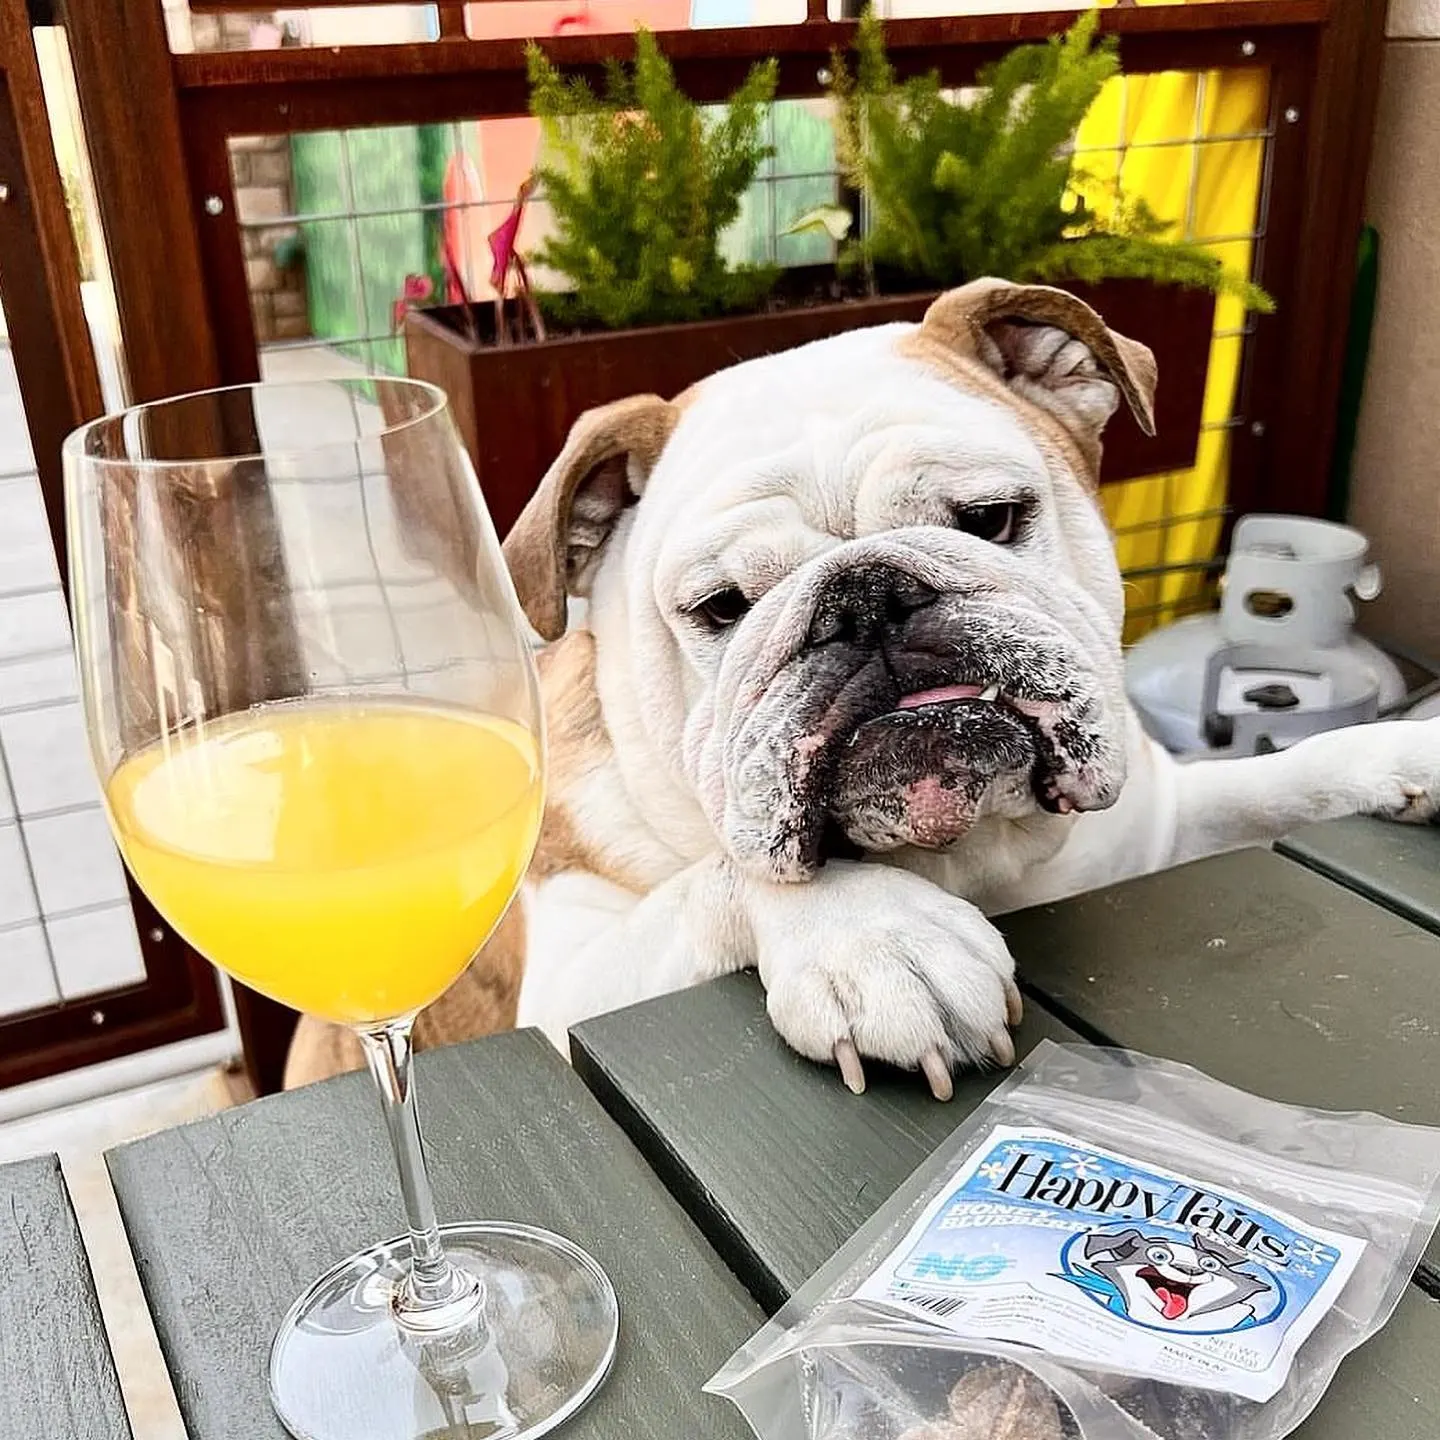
x=871 y=961
x=1404 y=770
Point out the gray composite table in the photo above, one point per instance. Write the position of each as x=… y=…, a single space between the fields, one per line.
x=1397 y=866
x=232 y=1217
x=1250 y=966
x=779 y=1165
x=57 y=1380
x=711 y=1170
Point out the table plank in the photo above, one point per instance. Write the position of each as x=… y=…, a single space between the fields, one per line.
x=774 y=1159
x=1397 y=866
x=232 y=1217
x=1257 y=970
x=57 y=1377
x=771 y=1152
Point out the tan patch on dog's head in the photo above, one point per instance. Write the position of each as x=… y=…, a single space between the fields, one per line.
x=577 y=743
x=687 y=397
x=554 y=546
x=578 y=746
x=1048 y=355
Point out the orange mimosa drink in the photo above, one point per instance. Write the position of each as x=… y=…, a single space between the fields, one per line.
x=346 y=857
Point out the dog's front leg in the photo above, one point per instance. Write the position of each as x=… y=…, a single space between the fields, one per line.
x=593 y=946
x=862 y=960
x=1391 y=769
x=869 y=960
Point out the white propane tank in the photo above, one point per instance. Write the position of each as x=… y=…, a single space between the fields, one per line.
x=1281 y=660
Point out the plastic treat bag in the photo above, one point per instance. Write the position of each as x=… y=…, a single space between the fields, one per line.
x=1111 y=1247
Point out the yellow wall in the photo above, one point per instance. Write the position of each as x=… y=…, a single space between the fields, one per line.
x=1210 y=189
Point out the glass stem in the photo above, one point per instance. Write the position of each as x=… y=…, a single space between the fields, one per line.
x=436 y=1294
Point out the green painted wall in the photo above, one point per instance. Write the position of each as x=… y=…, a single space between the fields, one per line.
x=356 y=268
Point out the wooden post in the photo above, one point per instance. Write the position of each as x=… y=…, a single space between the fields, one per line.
x=54 y=361
x=1341 y=126
x=122 y=66
x=126 y=82
x=452 y=21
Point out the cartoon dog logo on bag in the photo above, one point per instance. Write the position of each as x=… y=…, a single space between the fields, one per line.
x=1163 y=1283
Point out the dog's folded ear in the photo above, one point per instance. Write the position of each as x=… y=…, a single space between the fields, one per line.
x=553 y=547
x=1125 y=1244
x=1050 y=349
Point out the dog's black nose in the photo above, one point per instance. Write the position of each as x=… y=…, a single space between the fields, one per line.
x=858 y=606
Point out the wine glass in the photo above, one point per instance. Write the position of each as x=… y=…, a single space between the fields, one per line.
x=315 y=714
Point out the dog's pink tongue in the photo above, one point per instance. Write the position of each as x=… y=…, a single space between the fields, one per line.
x=1175 y=1305
x=935 y=697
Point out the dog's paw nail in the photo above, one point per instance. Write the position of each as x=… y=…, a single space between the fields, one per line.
x=1014 y=1004
x=937 y=1072
x=1414 y=806
x=851 y=1070
x=1002 y=1047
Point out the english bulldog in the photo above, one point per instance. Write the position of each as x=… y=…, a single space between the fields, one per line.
x=850 y=683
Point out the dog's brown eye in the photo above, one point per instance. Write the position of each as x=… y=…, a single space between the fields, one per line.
x=996 y=523
x=722 y=609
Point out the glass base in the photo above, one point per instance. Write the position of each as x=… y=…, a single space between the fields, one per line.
x=535 y=1350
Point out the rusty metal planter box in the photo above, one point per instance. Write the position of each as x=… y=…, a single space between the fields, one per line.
x=515 y=404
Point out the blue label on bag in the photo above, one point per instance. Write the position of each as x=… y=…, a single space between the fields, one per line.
x=1098 y=1258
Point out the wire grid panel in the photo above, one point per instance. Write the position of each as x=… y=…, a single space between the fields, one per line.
x=379 y=22
x=371 y=207
x=358 y=211
x=374 y=609
x=1193 y=146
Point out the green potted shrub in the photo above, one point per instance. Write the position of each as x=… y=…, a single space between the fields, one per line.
x=642 y=184
x=642 y=187
x=987 y=186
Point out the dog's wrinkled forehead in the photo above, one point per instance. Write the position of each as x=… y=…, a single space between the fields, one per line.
x=838 y=440
x=809 y=423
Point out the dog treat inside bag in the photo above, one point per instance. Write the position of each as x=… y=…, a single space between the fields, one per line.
x=1110 y=1248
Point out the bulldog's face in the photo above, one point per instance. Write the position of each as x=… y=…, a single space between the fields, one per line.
x=866 y=581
